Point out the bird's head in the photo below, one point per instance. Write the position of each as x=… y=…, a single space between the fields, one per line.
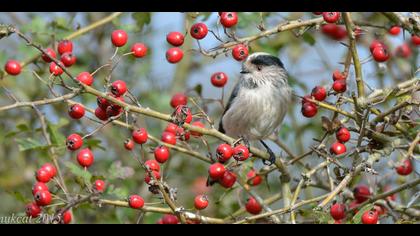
x=261 y=67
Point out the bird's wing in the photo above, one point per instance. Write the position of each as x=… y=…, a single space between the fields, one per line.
x=230 y=101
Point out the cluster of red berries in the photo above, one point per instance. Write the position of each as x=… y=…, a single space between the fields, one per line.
x=85 y=156
x=168 y=219
x=331 y=29
x=342 y=135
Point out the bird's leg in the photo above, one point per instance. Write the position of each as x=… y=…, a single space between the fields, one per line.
x=272 y=157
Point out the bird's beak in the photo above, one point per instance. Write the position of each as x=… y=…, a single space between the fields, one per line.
x=244 y=72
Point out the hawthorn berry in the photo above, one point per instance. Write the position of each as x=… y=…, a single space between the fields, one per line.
x=375 y=44
x=343 y=135
x=140 y=135
x=338 y=75
x=198 y=124
x=178 y=99
x=148 y=178
x=306 y=99
x=361 y=193
x=340 y=86
x=224 y=152
x=199 y=31
x=49 y=52
x=319 y=93
x=183 y=113
x=101 y=114
x=219 y=79
x=370 y=218
x=67 y=217
x=161 y=154
x=85 y=78
x=113 y=111
x=139 y=50
x=64 y=46
x=240 y=152
x=331 y=17
x=169 y=219
x=152 y=165
x=103 y=103
x=216 y=171
x=252 y=206
x=228 y=179
x=317 y=13
x=50 y=168
x=201 y=202
x=174 y=55
x=32 y=210
x=415 y=39
x=99 y=185
x=42 y=175
x=380 y=54
x=168 y=138
x=309 y=109
x=85 y=157
x=119 y=38
x=339 y=33
x=135 y=201
x=394 y=30
x=68 y=59
x=253 y=178
x=240 y=52
x=405 y=168
x=118 y=88
x=338 y=148
x=172 y=128
x=76 y=111
x=55 y=69
x=403 y=51
x=39 y=186
x=175 y=38
x=129 y=144
x=338 y=211
x=329 y=29
x=229 y=19
x=42 y=198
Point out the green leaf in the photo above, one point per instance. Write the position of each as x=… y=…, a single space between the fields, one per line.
x=199 y=89
x=60 y=23
x=94 y=143
x=29 y=144
x=142 y=19
x=358 y=217
x=120 y=193
x=79 y=172
x=57 y=138
x=321 y=216
x=308 y=38
x=19 y=196
x=20 y=128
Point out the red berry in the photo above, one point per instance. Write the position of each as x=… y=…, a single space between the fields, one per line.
x=67 y=217
x=340 y=86
x=198 y=124
x=68 y=59
x=99 y=185
x=175 y=38
x=376 y=44
x=140 y=135
x=102 y=103
x=65 y=46
x=370 y=218
x=50 y=168
x=42 y=175
x=85 y=78
x=74 y=142
x=309 y=110
x=153 y=165
x=114 y=105
x=161 y=154
x=228 y=179
x=49 y=52
x=169 y=219
x=135 y=201
x=306 y=99
x=252 y=206
x=394 y=30
x=380 y=54
x=319 y=93
x=240 y=52
x=216 y=171
x=179 y=99
x=224 y=152
x=101 y=114
x=405 y=168
x=415 y=39
x=329 y=29
x=76 y=111
x=361 y=193
x=201 y=202
x=32 y=210
x=317 y=13
x=403 y=51
x=129 y=144
x=85 y=157
x=228 y=19
x=240 y=153
x=183 y=113
x=43 y=198
x=148 y=178
x=113 y=111
x=139 y=50
x=331 y=17
x=339 y=33
x=343 y=135
x=119 y=38
x=199 y=30
x=55 y=69
x=338 y=211
x=219 y=79
x=118 y=88
x=168 y=138
x=358 y=32
x=338 y=148
x=353 y=205
x=337 y=75
x=174 y=55
x=172 y=128
x=39 y=186
x=253 y=178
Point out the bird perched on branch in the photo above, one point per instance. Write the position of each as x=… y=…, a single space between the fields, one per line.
x=259 y=100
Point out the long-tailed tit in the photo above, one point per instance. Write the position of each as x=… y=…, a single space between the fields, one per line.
x=259 y=100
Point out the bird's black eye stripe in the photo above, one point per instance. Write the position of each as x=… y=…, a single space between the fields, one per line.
x=266 y=60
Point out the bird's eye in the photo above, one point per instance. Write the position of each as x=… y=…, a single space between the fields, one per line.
x=259 y=68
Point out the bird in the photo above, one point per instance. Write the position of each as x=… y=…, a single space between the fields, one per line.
x=259 y=101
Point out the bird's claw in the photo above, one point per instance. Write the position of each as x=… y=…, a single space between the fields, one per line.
x=271 y=159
